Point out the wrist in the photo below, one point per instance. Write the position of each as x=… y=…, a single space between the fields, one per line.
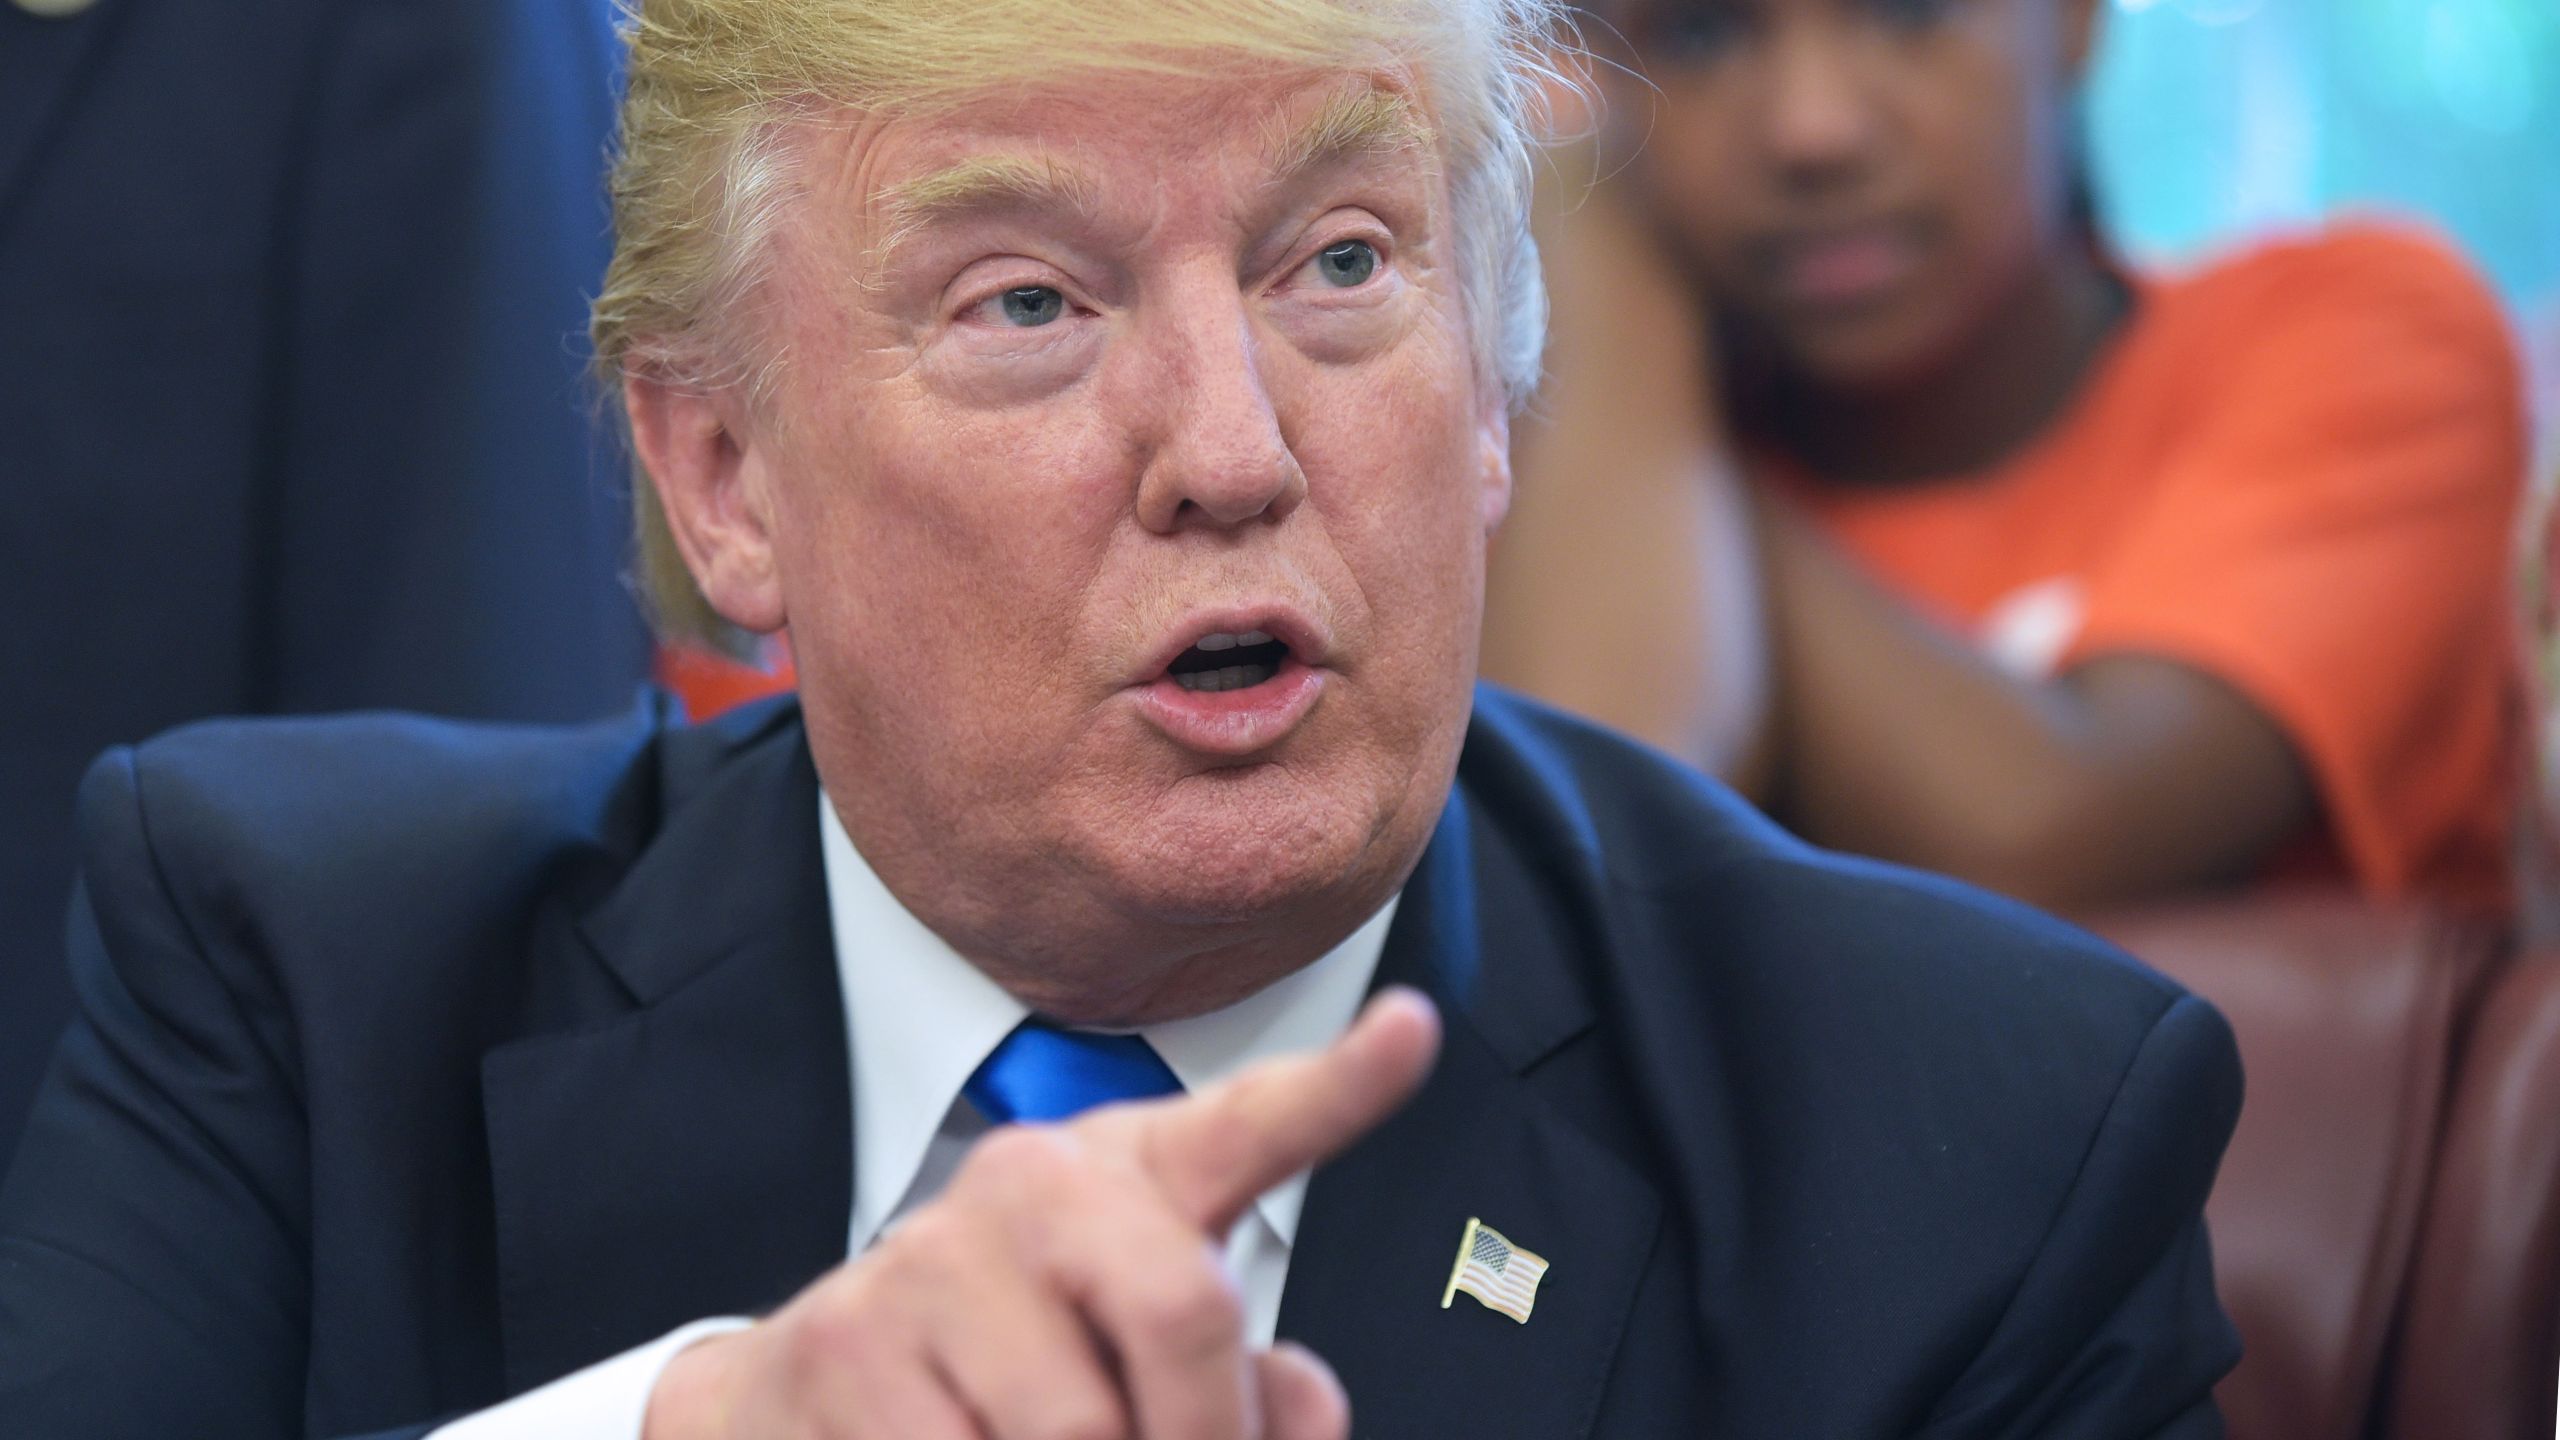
x=691 y=1399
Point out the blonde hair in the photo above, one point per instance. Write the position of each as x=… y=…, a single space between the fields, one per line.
x=704 y=167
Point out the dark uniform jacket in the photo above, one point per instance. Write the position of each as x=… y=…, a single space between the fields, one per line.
x=291 y=408
x=418 y=1064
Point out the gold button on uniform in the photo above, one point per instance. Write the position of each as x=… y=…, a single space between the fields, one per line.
x=53 y=9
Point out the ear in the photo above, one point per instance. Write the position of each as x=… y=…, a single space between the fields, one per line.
x=1493 y=458
x=713 y=482
x=2079 y=36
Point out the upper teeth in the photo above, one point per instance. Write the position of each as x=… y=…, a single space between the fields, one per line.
x=1226 y=641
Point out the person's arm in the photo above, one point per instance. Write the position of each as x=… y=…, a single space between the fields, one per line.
x=2125 y=777
x=2306 y=618
x=2309 y=613
x=2114 y=1332
x=1632 y=583
x=154 y=1262
x=1623 y=583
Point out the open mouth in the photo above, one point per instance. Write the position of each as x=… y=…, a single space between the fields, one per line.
x=1229 y=661
x=1246 y=682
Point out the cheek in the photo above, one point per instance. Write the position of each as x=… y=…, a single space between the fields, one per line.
x=1704 y=183
x=928 y=552
x=1994 y=145
x=1694 y=165
x=907 y=514
x=1397 y=474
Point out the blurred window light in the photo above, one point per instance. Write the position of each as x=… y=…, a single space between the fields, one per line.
x=2213 y=121
x=2477 y=66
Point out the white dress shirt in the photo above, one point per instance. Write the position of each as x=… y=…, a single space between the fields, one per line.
x=918 y=1020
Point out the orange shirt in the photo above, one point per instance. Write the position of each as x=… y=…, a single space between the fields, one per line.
x=2297 y=471
x=709 y=683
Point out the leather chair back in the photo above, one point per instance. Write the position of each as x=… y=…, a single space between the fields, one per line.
x=2348 y=1019
x=2479 y=1345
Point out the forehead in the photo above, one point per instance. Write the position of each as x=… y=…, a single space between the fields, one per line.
x=1119 y=141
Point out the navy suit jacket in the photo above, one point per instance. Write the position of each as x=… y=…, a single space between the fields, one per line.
x=291 y=418
x=418 y=1064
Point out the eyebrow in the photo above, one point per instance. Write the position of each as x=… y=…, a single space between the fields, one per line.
x=1354 y=123
x=985 y=183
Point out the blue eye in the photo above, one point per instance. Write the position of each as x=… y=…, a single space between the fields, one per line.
x=1348 y=264
x=1032 y=305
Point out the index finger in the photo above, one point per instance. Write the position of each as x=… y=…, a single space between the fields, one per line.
x=1213 y=1152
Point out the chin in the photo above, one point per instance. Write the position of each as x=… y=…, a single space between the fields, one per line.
x=1236 y=847
x=1873 y=348
x=1862 y=354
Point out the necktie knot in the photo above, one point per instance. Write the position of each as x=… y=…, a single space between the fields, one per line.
x=1043 y=1073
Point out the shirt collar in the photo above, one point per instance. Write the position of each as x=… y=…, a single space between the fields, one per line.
x=920 y=1018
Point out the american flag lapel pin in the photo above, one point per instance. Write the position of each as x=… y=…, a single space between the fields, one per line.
x=1502 y=1276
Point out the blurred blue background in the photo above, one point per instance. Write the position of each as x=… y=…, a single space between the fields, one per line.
x=2214 y=120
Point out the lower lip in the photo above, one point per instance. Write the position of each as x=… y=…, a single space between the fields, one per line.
x=1233 y=723
x=1848 y=271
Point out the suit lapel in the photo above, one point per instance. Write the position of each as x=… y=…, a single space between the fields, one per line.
x=1382 y=1224
x=42 y=63
x=693 y=1156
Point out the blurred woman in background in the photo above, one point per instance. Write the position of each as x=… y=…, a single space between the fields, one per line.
x=1870 y=480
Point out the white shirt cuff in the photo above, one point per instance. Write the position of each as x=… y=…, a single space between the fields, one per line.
x=608 y=1400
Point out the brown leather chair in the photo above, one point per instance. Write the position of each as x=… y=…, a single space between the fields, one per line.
x=2351 y=1021
x=2479 y=1343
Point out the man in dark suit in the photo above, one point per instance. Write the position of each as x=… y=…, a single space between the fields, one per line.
x=1120 y=433
x=289 y=420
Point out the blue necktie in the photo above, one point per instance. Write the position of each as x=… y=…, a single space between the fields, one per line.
x=1041 y=1072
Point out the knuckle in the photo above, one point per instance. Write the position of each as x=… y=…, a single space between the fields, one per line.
x=859 y=1312
x=1197 y=1308
x=831 y=1336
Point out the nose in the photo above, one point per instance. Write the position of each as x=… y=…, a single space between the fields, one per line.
x=1820 y=115
x=1222 y=459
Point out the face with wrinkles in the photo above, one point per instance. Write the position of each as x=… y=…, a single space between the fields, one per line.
x=1125 y=485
